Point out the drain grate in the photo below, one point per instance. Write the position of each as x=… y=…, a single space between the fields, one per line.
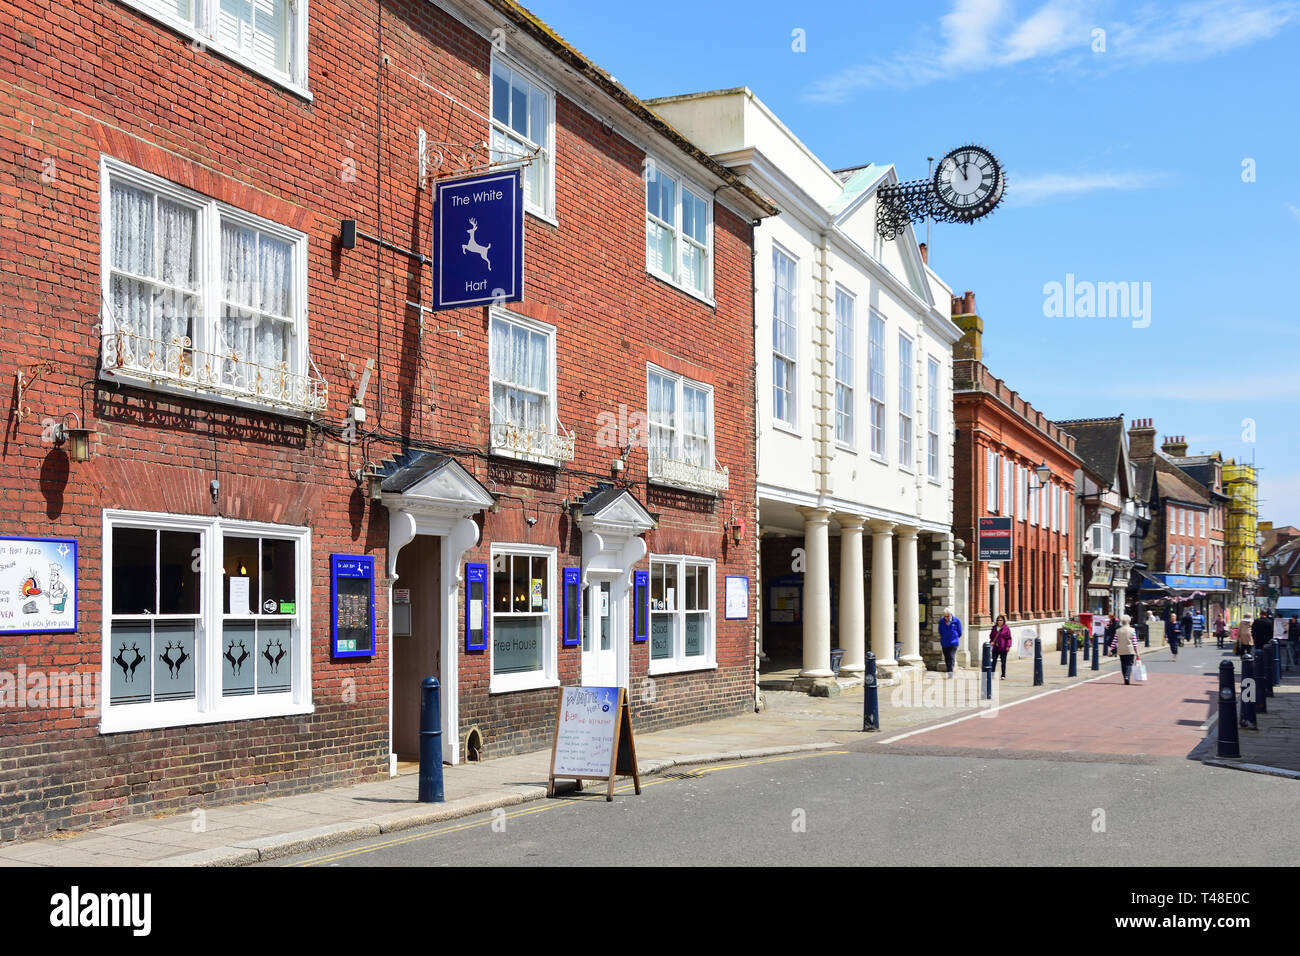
x=684 y=775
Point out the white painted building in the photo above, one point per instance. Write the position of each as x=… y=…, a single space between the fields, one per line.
x=854 y=350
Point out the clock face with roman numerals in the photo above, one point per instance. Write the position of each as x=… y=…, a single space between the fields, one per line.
x=969 y=182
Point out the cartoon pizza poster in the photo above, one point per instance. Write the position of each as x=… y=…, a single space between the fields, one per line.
x=38 y=585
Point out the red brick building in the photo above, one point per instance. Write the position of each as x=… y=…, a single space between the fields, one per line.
x=1010 y=463
x=552 y=491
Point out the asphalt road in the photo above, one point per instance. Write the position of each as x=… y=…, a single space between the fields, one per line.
x=995 y=801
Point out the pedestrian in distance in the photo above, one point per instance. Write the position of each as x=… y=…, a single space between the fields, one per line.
x=1000 y=640
x=1172 y=632
x=949 y=638
x=1125 y=645
x=1109 y=634
x=1293 y=635
x=1198 y=628
x=1261 y=632
x=1220 y=631
x=1245 y=643
x=1188 y=625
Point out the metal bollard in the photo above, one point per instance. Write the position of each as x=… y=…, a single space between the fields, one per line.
x=1146 y=638
x=1229 y=740
x=1248 y=692
x=1063 y=637
x=1087 y=648
x=1074 y=659
x=430 y=742
x=1096 y=654
x=986 y=665
x=1263 y=680
x=870 y=697
x=1275 y=649
x=1038 y=662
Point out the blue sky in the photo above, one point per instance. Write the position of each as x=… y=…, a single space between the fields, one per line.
x=1125 y=164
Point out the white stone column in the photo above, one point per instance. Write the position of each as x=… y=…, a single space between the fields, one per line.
x=816 y=593
x=852 y=609
x=909 y=625
x=882 y=593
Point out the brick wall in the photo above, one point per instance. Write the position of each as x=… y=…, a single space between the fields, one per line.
x=85 y=81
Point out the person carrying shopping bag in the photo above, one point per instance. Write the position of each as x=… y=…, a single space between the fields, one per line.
x=1124 y=643
x=1000 y=640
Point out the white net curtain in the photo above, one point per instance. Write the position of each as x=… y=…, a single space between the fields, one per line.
x=257 y=302
x=520 y=378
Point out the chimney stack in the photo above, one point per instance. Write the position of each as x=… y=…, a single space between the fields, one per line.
x=964 y=317
x=1175 y=447
x=1141 y=439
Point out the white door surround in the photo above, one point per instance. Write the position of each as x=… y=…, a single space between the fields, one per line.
x=434 y=494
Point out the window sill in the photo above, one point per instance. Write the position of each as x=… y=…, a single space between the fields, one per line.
x=693 y=293
x=498 y=451
x=686 y=667
x=787 y=428
x=512 y=683
x=201 y=42
x=843 y=446
x=122 y=719
x=548 y=218
x=880 y=459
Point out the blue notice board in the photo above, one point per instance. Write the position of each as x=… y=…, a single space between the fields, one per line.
x=352 y=586
x=478 y=241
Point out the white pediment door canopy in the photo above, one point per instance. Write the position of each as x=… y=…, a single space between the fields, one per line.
x=431 y=493
x=612 y=522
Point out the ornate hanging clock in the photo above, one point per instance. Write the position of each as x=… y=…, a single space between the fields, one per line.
x=967 y=185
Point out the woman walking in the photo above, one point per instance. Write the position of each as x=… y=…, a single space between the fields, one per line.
x=1125 y=645
x=1172 y=632
x=1220 y=631
x=1000 y=639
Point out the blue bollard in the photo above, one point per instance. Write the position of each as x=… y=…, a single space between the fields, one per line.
x=430 y=742
x=1062 y=636
x=1087 y=646
x=1275 y=651
x=1096 y=653
x=986 y=665
x=1038 y=662
x=1074 y=659
x=1229 y=740
x=870 y=697
x=1248 y=692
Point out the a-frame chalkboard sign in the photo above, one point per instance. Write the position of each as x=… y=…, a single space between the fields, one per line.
x=593 y=738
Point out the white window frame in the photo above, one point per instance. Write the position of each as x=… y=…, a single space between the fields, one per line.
x=208 y=706
x=906 y=404
x=791 y=360
x=1008 y=490
x=680 y=238
x=993 y=471
x=211 y=213
x=878 y=386
x=532 y=325
x=933 y=447
x=545 y=211
x=548 y=675
x=201 y=29
x=680 y=383
x=680 y=662
x=846 y=437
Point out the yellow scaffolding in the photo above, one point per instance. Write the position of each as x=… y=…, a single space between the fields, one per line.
x=1240 y=484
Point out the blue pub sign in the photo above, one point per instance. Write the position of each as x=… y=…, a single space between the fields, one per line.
x=478 y=241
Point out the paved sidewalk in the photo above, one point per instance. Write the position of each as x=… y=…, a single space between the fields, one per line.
x=1275 y=746
x=246 y=833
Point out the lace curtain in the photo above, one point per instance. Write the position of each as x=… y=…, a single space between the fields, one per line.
x=152 y=288
x=257 y=293
x=520 y=377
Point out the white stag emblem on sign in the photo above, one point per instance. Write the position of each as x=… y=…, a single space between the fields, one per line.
x=473 y=246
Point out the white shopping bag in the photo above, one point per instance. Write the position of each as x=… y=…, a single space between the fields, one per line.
x=1139 y=671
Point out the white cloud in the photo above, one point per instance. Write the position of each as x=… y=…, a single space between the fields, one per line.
x=1031 y=190
x=977 y=35
x=1294 y=210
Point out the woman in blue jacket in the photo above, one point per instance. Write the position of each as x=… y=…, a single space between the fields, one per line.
x=949 y=638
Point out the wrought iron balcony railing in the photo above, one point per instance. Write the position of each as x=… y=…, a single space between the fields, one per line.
x=685 y=474
x=227 y=373
x=532 y=443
